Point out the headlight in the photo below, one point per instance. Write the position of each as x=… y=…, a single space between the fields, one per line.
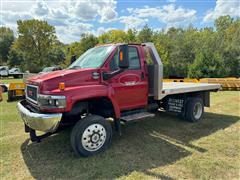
x=49 y=101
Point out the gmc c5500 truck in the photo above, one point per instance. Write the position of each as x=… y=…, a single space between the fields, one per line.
x=120 y=82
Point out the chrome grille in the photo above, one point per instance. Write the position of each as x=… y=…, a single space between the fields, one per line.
x=31 y=93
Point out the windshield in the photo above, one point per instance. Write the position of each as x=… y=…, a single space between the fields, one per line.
x=3 y=68
x=92 y=58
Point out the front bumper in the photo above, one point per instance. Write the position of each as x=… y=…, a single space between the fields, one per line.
x=37 y=121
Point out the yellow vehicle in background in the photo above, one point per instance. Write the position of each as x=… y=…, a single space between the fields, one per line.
x=3 y=88
x=228 y=84
x=16 y=91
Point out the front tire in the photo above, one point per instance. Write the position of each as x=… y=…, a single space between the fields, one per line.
x=91 y=135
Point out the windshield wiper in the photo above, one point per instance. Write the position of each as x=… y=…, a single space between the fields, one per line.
x=75 y=67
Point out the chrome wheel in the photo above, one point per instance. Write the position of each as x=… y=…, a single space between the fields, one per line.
x=197 y=110
x=94 y=136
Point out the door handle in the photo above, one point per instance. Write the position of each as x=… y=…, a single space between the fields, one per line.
x=142 y=75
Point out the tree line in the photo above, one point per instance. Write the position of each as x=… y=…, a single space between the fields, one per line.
x=185 y=52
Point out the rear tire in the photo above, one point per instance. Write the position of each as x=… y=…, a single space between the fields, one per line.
x=195 y=109
x=91 y=135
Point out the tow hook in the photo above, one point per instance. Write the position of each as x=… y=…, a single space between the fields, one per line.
x=35 y=138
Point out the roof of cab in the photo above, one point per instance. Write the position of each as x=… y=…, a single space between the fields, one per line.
x=115 y=44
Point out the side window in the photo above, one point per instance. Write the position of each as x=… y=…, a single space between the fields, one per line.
x=134 y=62
x=114 y=62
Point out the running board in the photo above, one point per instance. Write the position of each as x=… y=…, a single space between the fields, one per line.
x=136 y=116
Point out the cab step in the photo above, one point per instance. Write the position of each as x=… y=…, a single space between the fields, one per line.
x=136 y=116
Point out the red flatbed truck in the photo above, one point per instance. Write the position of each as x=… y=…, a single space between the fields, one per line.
x=118 y=81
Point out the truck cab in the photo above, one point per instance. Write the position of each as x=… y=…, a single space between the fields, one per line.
x=121 y=82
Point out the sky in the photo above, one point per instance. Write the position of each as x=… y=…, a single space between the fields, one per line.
x=71 y=18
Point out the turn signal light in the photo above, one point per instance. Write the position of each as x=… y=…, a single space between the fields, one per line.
x=61 y=86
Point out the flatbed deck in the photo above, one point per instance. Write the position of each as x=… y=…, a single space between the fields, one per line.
x=181 y=87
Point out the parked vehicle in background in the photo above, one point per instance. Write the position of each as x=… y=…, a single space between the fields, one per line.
x=15 y=72
x=4 y=71
x=50 y=69
x=123 y=82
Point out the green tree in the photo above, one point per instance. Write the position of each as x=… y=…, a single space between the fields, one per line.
x=113 y=36
x=223 y=22
x=228 y=40
x=172 y=44
x=131 y=35
x=206 y=64
x=145 y=35
x=6 y=40
x=56 y=55
x=15 y=58
x=104 y=38
x=87 y=41
x=160 y=42
x=38 y=44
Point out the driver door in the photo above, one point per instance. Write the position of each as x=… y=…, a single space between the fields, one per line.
x=130 y=86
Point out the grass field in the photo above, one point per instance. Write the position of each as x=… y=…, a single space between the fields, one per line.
x=163 y=147
x=10 y=80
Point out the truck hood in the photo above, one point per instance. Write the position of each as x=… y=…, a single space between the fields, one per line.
x=70 y=77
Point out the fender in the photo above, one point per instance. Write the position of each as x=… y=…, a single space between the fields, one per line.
x=75 y=94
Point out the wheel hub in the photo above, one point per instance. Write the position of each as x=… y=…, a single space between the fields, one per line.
x=197 y=111
x=93 y=137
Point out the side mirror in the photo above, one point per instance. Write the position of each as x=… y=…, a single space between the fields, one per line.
x=73 y=58
x=123 y=57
